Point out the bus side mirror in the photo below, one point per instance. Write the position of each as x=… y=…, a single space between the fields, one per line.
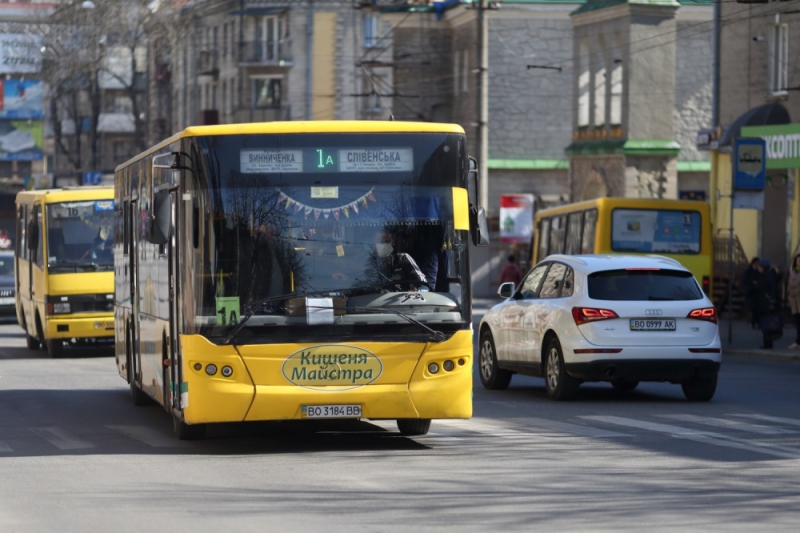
x=478 y=228
x=161 y=219
x=33 y=235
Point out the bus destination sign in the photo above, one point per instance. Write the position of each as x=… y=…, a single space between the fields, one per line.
x=327 y=160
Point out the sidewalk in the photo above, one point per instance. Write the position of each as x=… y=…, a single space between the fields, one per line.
x=745 y=340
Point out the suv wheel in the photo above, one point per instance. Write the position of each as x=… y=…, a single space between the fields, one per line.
x=700 y=389
x=560 y=385
x=492 y=376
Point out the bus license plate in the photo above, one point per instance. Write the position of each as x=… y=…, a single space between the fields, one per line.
x=640 y=324
x=331 y=411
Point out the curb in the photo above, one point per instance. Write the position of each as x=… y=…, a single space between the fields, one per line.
x=763 y=354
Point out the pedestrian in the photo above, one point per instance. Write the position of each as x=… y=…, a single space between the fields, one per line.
x=767 y=303
x=793 y=293
x=748 y=289
x=511 y=272
x=5 y=240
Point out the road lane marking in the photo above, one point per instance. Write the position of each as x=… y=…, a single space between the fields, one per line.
x=151 y=437
x=767 y=418
x=732 y=424
x=575 y=429
x=5 y=448
x=707 y=437
x=61 y=439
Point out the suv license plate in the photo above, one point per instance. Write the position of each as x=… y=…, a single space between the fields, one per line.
x=331 y=411
x=640 y=324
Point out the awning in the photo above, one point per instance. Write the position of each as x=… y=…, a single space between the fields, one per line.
x=763 y=115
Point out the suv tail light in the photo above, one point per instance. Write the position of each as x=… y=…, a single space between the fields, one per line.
x=707 y=313
x=582 y=315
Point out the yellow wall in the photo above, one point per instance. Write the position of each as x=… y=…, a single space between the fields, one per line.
x=324 y=73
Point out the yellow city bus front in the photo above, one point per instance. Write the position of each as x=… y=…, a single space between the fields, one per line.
x=360 y=380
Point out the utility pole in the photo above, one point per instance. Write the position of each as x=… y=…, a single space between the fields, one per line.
x=716 y=66
x=483 y=104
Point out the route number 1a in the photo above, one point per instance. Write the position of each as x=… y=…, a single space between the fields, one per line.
x=223 y=315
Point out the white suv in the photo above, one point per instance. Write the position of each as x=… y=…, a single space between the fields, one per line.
x=616 y=318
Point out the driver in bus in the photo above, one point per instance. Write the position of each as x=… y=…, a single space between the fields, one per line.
x=397 y=267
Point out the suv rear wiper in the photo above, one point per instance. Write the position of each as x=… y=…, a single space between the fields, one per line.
x=258 y=305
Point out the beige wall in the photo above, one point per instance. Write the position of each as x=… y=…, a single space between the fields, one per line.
x=323 y=86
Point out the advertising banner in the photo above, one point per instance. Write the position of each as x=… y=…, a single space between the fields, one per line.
x=21 y=98
x=20 y=53
x=21 y=140
x=516 y=218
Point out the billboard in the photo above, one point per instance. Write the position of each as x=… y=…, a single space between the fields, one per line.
x=21 y=98
x=516 y=218
x=20 y=53
x=21 y=140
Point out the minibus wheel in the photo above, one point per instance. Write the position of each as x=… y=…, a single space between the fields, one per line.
x=413 y=426
x=30 y=340
x=55 y=347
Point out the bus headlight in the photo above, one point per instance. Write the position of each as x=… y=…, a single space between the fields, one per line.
x=61 y=307
x=211 y=369
x=433 y=368
x=227 y=371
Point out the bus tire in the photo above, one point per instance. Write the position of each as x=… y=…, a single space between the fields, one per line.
x=55 y=348
x=137 y=395
x=30 y=341
x=184 y=431
x=560 y=386
x=492 y=376
x=410 y=427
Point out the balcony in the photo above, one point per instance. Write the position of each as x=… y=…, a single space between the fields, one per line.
x=263 y=114
x=266 y=53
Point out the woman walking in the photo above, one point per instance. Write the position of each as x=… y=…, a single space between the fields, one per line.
x=793 y=293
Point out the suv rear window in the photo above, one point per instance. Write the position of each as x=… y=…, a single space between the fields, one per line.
x=644 y=285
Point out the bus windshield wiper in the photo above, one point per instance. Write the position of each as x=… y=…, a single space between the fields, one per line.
x=258 y=305
x=438 y=336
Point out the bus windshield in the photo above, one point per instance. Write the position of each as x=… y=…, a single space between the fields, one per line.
x=80 y=236
x=327 y=236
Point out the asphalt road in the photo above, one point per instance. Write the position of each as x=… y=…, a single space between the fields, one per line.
x=76 y=455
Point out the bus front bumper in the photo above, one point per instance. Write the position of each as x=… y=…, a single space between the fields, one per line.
x=71 y=327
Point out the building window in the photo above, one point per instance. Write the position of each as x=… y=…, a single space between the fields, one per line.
x=371 y=36
x=465 y=71
x=779 y=59
x=600 y=97
x=456 y=72
x=583 y=84
x=373 y=101
x=268 y=38
x=267 y=92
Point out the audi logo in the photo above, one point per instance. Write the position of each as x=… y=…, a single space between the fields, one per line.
x=653 y=312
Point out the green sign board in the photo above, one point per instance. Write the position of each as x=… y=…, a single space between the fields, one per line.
x=228 y=312
x=783 y=144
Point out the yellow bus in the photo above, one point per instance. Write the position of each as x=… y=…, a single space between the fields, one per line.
x=680 y=229
x=298 y=270
x=64 y=267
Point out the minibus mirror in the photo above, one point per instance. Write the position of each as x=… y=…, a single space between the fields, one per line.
x=506 y=290
x=478 y=228
x=161 y=219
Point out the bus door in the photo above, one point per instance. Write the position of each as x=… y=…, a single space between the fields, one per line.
x=134 y=218
x=172 y=377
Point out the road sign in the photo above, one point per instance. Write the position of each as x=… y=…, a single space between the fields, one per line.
x=92 y=178
x=749 y=164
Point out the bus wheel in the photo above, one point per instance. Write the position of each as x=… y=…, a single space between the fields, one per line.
x=55 y=347
x=30 y=340
x=413 y=426
x=184 y=431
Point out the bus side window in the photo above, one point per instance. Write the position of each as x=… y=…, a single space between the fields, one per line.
x=557 y=235
x=37 y=219
x=21 y=234
x=574 y=232
x=544 y=239
x=589 y=228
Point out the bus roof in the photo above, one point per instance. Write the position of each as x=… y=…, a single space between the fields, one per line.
x=300 y=126
x=636 y=203
x=67 y=194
